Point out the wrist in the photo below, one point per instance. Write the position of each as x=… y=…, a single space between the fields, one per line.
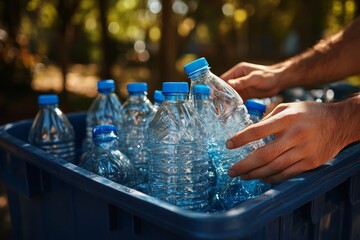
x=285 y=75
x=347 y=115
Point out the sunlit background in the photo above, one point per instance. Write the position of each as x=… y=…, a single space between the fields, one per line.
x=66 y=46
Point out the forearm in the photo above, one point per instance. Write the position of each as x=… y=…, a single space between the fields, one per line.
x=347 y=115
x=330 y=60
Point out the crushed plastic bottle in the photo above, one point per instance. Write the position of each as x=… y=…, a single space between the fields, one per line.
x=106 y=159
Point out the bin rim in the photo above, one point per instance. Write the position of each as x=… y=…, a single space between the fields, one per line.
x=279 y=201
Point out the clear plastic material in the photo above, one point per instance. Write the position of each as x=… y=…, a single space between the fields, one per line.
x=51 y=130
x=256 y=111
x=105 y=109
x=231 y=116
x=138 y=111
x=178 y=169
x=208 y=117
x=106 y=159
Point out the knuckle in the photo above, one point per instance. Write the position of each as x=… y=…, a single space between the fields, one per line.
x=281 y=106
x=278 y=165
x=256 y=132
x=242 y=64
x=263 y=156
x=300 y=132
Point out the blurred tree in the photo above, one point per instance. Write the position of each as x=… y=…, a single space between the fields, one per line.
x=168 y=44
x=105 y=41
x=65 y=33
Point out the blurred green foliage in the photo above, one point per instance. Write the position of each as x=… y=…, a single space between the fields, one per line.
x=150 y=40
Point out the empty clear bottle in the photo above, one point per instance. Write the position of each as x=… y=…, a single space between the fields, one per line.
x=207 y=114
x=158 y=99
x=232 y=117
x=106 y=159
x=51 y=130
x=178 y=169
x=138 y=111
x=256 y=111
x=105 y=109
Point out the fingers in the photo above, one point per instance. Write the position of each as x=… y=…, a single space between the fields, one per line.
x=240 y=83
x=291 y=171
x=234 y=72
x=255 y=132
x=266 y=160
x=275 y=166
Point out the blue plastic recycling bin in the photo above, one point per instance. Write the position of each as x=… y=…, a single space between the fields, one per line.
x=50 y=198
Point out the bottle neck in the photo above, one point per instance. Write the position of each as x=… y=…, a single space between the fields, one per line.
x=106 y=92
x=158 y=103
x=200 y=74
x=105 y=140
x=201 y=97
x=255 y=113
x=173 y=97
x=137 y=95
x=48 y=106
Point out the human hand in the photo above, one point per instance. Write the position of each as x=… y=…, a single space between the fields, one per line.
x=254 y=81
x=305 y=137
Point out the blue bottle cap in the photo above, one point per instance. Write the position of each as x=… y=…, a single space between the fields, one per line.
x=137 y=87
x=201 y=89
x=175 y=87
x=48 y=99
x=254 y=105
x=158 y=96
x=106 y=85
x=103 y=128
x=195 y=66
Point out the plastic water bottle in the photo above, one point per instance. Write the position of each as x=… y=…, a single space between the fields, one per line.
x=138 y=111
x=178 y=169
x=105 y=109
x=106 y=159
x=158 y=99
x=51 y=130
x=207 y=114
x=219 y=156
x=232 y=117
x=256 y=111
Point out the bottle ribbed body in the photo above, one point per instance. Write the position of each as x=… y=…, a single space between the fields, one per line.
x=178 y=168
x=52 y=132
x=138 y=111
x=105 y=109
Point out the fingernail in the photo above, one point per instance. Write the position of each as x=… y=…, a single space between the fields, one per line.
x=231 y=173
x=229 y=144
x=231 y=82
